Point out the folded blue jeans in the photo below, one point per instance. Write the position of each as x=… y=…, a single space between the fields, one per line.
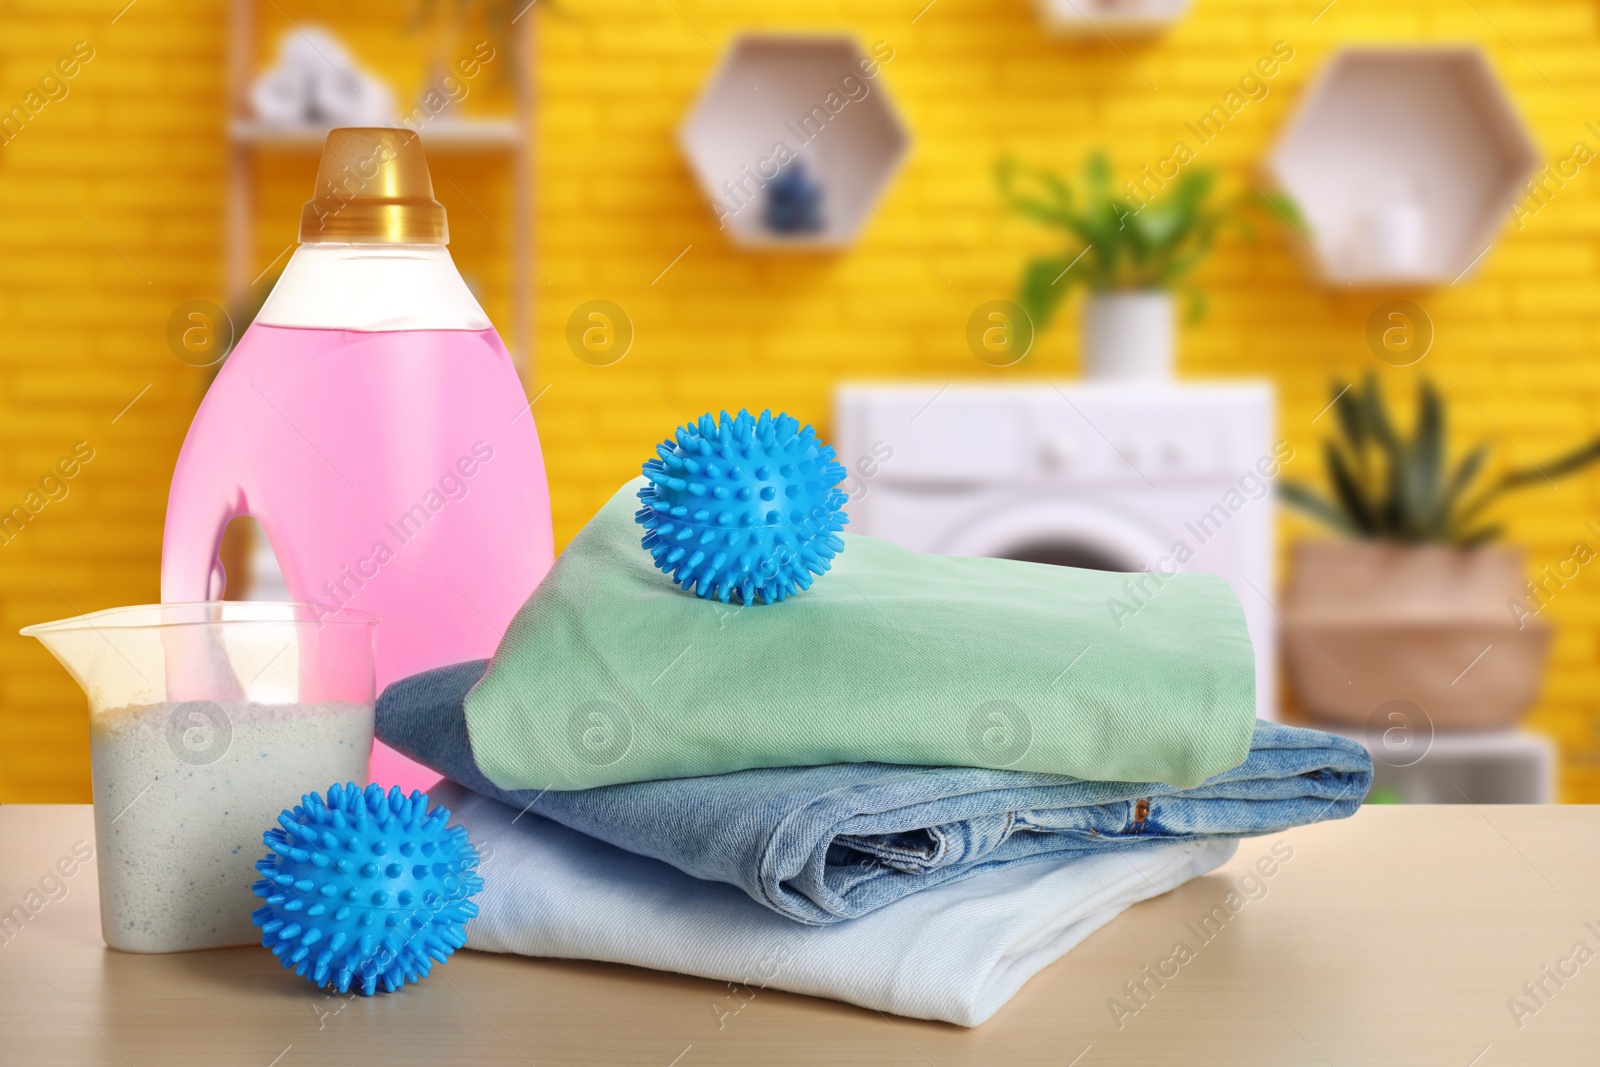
x=824 y=844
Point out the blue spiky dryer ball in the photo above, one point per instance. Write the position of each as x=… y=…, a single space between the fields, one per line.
x=366 y=890
x=743 y=508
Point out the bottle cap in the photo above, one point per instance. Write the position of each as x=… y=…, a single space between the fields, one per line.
x=373 y=187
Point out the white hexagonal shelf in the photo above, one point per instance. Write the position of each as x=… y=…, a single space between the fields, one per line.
x=1094 y=18
x=1404 y=162
x=794 y=139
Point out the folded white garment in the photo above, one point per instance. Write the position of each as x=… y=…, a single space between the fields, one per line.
x=955 y=952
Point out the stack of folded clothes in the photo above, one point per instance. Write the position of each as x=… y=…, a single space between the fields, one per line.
x=795 y=795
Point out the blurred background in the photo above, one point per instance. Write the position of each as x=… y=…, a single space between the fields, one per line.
x=1089 y=282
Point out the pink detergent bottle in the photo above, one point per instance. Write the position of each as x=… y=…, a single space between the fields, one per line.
x=371 y=421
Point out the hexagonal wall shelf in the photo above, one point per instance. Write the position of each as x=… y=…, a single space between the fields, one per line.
x=1404 y=162
x=1092 y=18
x=794 y=139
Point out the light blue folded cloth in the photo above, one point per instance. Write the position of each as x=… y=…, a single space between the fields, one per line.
x=823 y=844
x=549 y=891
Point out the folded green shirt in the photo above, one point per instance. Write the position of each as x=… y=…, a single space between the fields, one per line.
x=610 y=673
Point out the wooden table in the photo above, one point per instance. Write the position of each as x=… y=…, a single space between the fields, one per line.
x=1399 y=936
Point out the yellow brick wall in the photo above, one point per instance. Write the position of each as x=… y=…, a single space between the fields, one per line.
x=136 y=158
x=976 y=79
x=111 y=215
x=109 y=205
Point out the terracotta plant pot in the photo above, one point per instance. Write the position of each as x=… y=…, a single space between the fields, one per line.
x=1371 y=622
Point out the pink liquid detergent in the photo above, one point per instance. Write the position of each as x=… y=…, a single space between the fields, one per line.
x=395 y=470
x=397 y=474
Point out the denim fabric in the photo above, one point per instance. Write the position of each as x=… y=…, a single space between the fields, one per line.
x=822 y=844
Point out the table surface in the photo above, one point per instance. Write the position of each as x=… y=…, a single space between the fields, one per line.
x=1399 y=936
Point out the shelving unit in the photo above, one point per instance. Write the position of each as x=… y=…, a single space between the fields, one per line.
x=1403 y=162
x=1112 y=18
x=245 y=554
x=769 y=90
x=247 y=139
x=446 y=133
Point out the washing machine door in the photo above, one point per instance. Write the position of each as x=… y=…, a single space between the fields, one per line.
x=1063 y=533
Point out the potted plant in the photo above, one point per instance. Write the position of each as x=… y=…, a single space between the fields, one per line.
x=1131 y=253
x=1417 y=601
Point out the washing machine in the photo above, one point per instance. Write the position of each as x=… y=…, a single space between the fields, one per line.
x=1118 y=476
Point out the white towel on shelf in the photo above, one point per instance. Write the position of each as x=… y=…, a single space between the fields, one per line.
x=956 y=952
x=317 y=82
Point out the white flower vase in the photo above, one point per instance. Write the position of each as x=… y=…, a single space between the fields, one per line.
x=1128 y=336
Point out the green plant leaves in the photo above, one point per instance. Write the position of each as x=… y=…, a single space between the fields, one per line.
x=1037 y=195
x=1375 y=414
x=1285 y=208
x=1480 y=536
x=1351 y=494
x=1566 y=463
x=1448 y=512
x=1045 y=285
x=1314 y=504
x=1122 y=242
x=1348 y=409
x=1387 y=486
x=1423 y=462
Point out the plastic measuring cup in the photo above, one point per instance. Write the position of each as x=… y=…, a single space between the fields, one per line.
x=205 y=721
